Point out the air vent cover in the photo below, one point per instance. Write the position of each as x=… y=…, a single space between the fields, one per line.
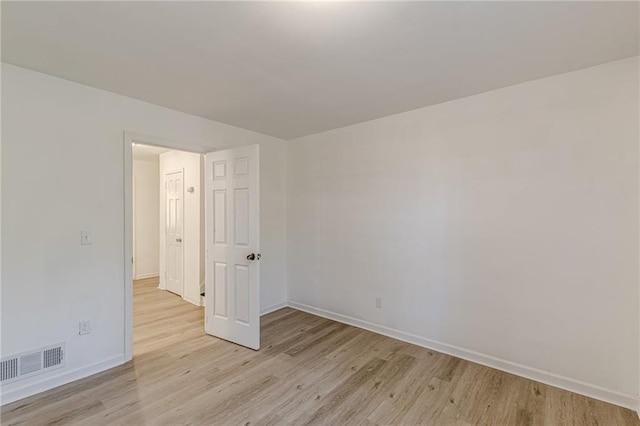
x=52 y=357
x=9 y=369
x=31 y=363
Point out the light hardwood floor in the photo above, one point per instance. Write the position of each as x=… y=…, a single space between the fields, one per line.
x=309 y=371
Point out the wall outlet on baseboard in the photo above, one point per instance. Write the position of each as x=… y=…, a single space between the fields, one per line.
x=84 y=327
x=378 y=303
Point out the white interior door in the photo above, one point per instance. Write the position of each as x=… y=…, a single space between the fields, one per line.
x=232 y=225
x=174 y=225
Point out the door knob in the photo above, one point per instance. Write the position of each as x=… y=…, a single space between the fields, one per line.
x=178 y=240
x=253 y=256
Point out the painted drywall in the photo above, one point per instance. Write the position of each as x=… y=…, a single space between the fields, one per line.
x=193 y=257
x=146 y=207
x=62 y=173
x=502 y=227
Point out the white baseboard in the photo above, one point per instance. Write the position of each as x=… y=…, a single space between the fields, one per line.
x=64 y=377
x=143 y=276
x=572 y=385
x=194 y=302
x=273 y=308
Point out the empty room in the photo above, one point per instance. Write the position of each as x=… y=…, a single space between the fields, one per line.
x=320 y=212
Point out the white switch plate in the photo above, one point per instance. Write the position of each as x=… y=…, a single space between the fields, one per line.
x=378 y=303
x=85 y=238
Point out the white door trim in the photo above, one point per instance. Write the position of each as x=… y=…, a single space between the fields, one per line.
x=133 y=225
x=128 y=139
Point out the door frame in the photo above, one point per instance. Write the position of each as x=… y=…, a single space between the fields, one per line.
x=128 y=139
x=168 y=172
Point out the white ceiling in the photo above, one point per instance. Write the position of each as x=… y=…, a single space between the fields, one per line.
x=148 y=152
x=289 y=69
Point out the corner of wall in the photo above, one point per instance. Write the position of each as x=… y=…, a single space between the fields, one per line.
x=286 y=221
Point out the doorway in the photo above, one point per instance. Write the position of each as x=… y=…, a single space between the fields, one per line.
x=167 y=237
x=226 y=228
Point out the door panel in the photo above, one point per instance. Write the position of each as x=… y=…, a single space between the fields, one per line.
x=220 y=216
x=241 y=197
x=232 y=225
x=173 y=231
x=243 y=301
x=220 y=292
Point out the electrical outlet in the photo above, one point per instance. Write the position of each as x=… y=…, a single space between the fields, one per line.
x=378 y=303
x=84 y=327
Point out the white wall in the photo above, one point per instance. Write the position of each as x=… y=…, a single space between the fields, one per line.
x=501 y=227
x=191 y=165
x=504 y=223
x=146 y=205
x=62 y=172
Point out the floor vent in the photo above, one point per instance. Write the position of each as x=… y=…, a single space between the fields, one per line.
x=31 y=363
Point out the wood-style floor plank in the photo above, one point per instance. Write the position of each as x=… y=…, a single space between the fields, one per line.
x=310 y=370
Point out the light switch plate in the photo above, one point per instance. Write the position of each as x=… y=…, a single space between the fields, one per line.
x=85 y=238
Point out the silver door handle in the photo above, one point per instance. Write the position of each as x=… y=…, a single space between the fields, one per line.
x=178 y=240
